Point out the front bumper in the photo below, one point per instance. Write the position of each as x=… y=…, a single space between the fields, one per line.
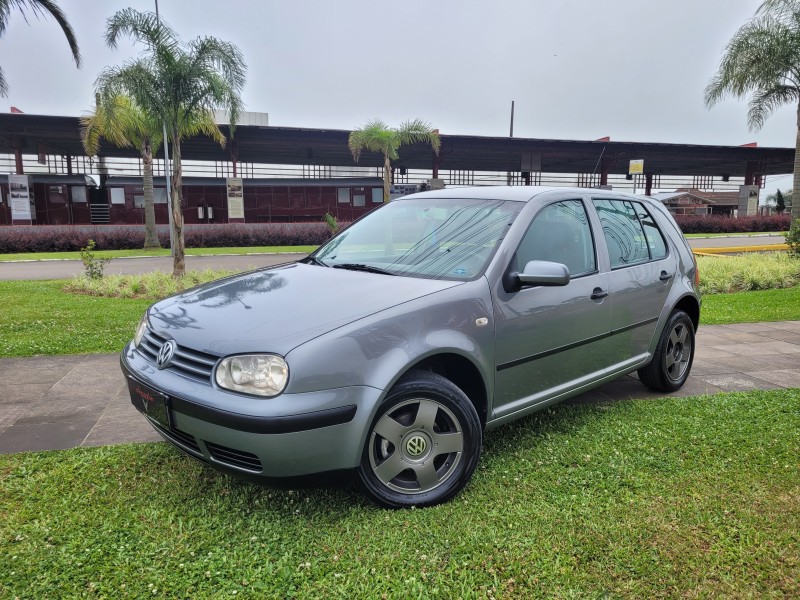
x=288 y=436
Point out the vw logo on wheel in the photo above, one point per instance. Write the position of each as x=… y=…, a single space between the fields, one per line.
x=165 y=355
x=416 y=446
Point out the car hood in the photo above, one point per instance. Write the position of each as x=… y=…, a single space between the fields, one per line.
x=277 y=309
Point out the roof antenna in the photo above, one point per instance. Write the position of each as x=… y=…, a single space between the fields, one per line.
x=599 y=159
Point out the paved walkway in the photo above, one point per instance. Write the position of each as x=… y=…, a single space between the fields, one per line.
x=57 y=402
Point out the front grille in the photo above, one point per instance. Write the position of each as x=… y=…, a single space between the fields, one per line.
x=187 y=362
x=233 y=457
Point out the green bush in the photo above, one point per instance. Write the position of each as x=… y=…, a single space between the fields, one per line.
x=793 y=239
x=747 y=272
x=94 y=266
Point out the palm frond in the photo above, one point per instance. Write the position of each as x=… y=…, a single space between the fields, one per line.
x=203 y=123
x=762 y=58
x=778 y=7
x=38 y=8
x=144 y=27
x=764 y=102
x=374 y=136
x=418 y=130
x=123 y=123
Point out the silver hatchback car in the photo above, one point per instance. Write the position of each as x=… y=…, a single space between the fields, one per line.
x=388 y=351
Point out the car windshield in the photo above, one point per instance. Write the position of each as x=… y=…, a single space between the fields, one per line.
x=436 y=238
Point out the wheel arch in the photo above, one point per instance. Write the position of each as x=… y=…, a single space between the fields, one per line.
x=691 y=306
x=462 y=372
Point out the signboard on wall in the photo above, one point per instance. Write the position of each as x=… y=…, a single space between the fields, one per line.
x=636 y=167
x=235 y=198
x=19 y=197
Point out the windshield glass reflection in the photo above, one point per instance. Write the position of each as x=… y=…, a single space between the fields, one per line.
x=448 y=238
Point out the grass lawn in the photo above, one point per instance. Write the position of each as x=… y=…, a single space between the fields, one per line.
x=751 y=307
x=162 y=252
x=43 y=319
x=676 y=497
x=39 y=318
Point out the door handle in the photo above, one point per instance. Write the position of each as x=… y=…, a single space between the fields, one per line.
x=598 y=293
x=665 y=276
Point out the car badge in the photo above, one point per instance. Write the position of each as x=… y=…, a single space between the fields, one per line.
x=165 y=355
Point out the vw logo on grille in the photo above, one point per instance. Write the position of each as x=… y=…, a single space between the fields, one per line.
x=165 y=354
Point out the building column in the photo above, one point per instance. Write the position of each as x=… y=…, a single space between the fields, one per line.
x=750 y=173
x=235 y=156
x=16 y=144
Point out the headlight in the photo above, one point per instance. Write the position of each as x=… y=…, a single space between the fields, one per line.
x=259 y=374
x=140 y=329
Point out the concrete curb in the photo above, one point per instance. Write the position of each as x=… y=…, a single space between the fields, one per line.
x=737 y=249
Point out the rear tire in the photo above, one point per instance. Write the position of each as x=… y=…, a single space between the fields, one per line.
x=423 y=444
x=672 y=360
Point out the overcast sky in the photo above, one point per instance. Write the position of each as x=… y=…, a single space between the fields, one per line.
x=577 y=69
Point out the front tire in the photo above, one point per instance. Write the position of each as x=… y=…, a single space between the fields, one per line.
x=423 y=444
x=672 y=360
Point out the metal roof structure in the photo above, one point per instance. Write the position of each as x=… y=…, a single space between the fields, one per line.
x=34 y=134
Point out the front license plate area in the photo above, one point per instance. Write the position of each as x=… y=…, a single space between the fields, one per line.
x=151 y=402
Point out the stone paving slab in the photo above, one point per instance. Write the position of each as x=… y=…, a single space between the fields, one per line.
x=58 y=402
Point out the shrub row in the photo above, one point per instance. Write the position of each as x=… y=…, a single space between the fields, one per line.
x=51 y=238
x=723 y=224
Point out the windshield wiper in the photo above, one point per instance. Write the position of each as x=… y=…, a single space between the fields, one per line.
x=314 y=261
x=360 y=267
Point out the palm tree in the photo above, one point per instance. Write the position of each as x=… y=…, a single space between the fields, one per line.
x=179 y=85
x=762 y=61
x=377 y=136
x=38 y=7
x=125 y=125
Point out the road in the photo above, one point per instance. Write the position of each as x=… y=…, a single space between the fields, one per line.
x=722 y=242
x=66 y=269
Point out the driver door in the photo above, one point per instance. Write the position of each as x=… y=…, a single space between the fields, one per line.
x=551 y=339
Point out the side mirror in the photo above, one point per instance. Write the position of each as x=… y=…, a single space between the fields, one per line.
x=542 y=272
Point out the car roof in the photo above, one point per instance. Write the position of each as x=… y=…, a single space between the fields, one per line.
x=514 y=193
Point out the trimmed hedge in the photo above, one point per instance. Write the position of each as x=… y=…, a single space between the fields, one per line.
x=62 y=238
x=723 y=224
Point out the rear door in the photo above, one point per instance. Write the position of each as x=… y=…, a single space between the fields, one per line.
x=642 y=273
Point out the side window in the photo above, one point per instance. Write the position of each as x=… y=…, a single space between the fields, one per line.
x=560 y=233
x=631 y=233
x=655 y=240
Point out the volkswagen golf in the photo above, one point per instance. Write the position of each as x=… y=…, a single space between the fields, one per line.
x=385 y=354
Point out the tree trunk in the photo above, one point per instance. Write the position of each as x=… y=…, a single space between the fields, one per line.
x=387 y=176
x=150 y=232
x=796 y=182
x=178 y=262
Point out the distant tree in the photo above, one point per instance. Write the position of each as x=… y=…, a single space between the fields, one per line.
x=179 y=85
x=119 y=120
x=780 y=202
x=762 y=61
x=377 y=136
x=38 y=7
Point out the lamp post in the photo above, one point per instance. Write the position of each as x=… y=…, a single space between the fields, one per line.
x=167 y=174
